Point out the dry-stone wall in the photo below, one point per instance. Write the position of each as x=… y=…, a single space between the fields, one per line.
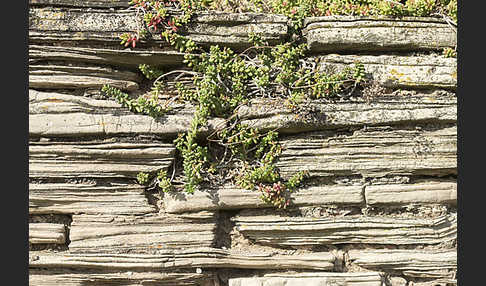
x=380 y=208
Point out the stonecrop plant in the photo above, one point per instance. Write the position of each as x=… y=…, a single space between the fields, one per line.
x=298 y=10
x=222 y=80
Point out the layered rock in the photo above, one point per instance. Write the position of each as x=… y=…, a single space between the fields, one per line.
x=271 y=114
x=295 y=231
x=378 y=33
x=53 y=114
x=97 y=159
x=378 y=208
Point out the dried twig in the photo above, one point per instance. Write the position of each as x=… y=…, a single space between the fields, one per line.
x=175 y=71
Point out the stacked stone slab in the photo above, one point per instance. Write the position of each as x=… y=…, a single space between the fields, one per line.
x=379 y=208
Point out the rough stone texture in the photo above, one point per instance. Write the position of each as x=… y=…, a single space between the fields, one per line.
x=115 y=57
x=231 y=29
x=140 y=234
x=234 y=198
x=397 y=153
x=295 y=231
x=73 y=25
x=69 y=77
x=82 y=3
x=64 y=198
x=373 y=152
x=270 y=114
x=167 y=259
x=348 y=33
x=410 y=263
x=435 y=282
x=64 y=115
x=230 y=197
x=127 y=278
x=398 y=281
x=311 y=279
x=47 y=233
x=97 y=159
x=417 y=72
x=442 y=192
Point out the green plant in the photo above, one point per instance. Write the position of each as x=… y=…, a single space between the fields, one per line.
x=344 y=7
x=251 y=176
x=420 y=7
x=194 y=157
x=389 y=8
x=449 y=53
x=164 y=183
x=296 y=180
x=144 y=104
x=128 y=39
x=143 y=178
x=223 y=80
x=156 y=180
x=452 y=9
x=149 y=72
x=278 y=193
x=328 y=85
x=296 y=10
x=275 y=195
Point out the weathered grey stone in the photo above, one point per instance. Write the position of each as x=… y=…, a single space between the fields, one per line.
x=140 y=234
x=378 y=33
x=398 y=281
x=410 y=263
x=434 y=282
x=69 y=277
x=97 y=159
x=63 y=198
x=72 y=77
x=115 y=57
x=82 y=3
x=232 y=29
x=311 y=279
x=424 y=71
x=41 y=102
x=432 y=192
x=118 y=238
x=84 y=124
x=174 y=259
x=63 y=115
x=40 y=233
x=371 y=152
x=295 y=231
x=230 y=197
x=271 y=114
x=70 y=25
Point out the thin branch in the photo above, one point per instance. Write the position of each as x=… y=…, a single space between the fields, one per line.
x=312 y=85
x=254 y=47
x=173 y=170
x=175 y=71
x=452 y=24
x=395 y=2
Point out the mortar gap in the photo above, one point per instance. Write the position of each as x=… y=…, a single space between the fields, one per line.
x=224 y=229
